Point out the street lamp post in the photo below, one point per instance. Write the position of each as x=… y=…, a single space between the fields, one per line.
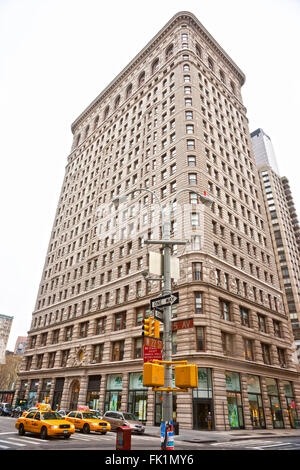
x=166 y=242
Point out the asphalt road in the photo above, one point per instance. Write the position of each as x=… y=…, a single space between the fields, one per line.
x=10 y=440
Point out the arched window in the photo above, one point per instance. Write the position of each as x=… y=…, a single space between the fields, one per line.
x=86 y=131
x=222 y=76
x=141 y=79
x=198 y=50
x=232 y=85
x=106 y=111
x=117 y=101
x=129 y=90
x=154 y=67
x=210 y=63
x=169 y=51
x=96 y=121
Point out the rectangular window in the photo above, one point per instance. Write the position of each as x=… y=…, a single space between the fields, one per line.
x=224 y=310
x=197 y=271
x=83 y=329
x=117 y=351
x=244 y=316
x=120 y=321
x=100 y=325
x=266 y=353
x=198 y=302
x=248 y=349
x=138 y=348
x=227 y=344
x=200 y=338
x=97 y=354
x=193 y=178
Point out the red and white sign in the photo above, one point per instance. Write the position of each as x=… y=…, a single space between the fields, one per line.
x=152 y=353
x=182 y=324
x=153 y=342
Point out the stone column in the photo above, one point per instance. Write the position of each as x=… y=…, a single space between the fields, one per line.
x=283 y=403
x=185 y=409
x=65 y=394
x=221 y=422
x=82 y=390
x=266 y=404
x=245 y=401
x=150 y=407
x=102 y=392
x=125 y=385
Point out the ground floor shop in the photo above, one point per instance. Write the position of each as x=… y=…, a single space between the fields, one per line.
x=224 y=399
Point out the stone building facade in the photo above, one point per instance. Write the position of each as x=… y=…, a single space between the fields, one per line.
x=172 y=119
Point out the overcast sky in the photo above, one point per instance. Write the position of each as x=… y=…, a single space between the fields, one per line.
x=56 y=56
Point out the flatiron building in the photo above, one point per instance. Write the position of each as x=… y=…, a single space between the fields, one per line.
x=172 y=120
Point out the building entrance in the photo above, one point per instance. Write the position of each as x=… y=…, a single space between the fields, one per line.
x=203 y=414
x=74 y=395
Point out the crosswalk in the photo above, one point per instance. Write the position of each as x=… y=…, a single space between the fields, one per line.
x=11 y=440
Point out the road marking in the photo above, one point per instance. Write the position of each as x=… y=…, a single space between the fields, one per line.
x=32 y=441
x=4 y=447
x=5 y=433
x=14 y=443
x=273 y=445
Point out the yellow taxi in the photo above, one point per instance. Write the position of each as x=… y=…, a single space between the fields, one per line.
x=46 y=423
x=87 y=421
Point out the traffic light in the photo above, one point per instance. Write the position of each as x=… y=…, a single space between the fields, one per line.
x=153 y=375
x=186 y=376
x=155 y=328
x=147 y=326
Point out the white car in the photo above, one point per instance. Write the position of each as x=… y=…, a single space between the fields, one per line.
x=117 y=418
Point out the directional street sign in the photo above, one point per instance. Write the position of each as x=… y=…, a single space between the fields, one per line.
x=164 y=301
x=158 y=315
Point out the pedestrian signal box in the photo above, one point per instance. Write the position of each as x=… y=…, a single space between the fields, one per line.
x=186 y=376
x=153 y=375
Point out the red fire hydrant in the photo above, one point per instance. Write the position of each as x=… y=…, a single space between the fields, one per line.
x=123 y=438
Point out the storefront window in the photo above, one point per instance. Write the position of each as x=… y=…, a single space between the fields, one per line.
x=32 y=399
x=202 y=401
x=93 y=392
x=137 y=396
x=59 y=386
x=275 y=406
x=257 y=415
x=291 y=405
x=113 y=394
x=20 y=401
x=234 y=400
x=44 y=394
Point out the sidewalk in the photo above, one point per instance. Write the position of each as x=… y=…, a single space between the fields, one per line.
x=190 y=435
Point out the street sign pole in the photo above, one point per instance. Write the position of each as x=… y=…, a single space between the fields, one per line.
x=167 y=315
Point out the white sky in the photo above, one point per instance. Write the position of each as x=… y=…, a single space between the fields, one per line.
x=56 y=56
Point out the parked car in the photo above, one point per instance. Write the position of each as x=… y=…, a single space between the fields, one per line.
x=5 y=409
x=117 y=418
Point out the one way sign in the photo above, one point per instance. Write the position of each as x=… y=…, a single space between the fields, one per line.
x=164 y=301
